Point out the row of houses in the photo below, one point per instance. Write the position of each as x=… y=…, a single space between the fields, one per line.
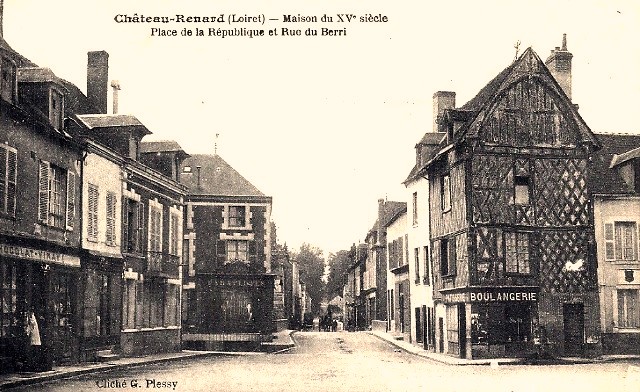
x=519 y=231
x=121 y=246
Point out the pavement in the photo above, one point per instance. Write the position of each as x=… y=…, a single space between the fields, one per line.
x=447 y=359
x=283 y=341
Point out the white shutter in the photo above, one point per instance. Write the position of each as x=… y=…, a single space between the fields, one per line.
x=43 y=191
x=609 y=242
x=71 y=200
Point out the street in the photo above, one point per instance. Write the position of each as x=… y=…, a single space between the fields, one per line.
x=347 y=361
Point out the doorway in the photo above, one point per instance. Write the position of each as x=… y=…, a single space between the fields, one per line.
x=441 y=333
x=573 y=315
x=462 y=330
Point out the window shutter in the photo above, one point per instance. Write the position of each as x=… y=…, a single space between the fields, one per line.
x=140 y=233
x=71 y=199
x=111 y=218
x=12 y=173
x=125 y=225
x=43 y=191
x=609 y=242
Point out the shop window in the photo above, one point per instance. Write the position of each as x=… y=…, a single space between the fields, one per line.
x=628 y=309
x=56 y=199
x=501 y=323
x=8 y=299
x=621 y=241
x=237 y=250
x=237 y=216
x=8 y=178
x=517 y=253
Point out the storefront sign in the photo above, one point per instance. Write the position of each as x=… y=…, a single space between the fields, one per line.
x=239 y=283
x=500 y=296
x=44 y=256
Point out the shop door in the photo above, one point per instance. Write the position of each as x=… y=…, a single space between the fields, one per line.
x=62 y=336
x=462 y=330
x=573 y=329
x=401 y=311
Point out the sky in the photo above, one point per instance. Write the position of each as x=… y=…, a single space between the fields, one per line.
x=327 y=125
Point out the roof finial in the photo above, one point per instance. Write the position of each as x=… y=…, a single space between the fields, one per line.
x=517 y=46
x=215 y=145
x=564 y=41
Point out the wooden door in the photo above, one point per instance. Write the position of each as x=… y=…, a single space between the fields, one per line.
x=573 y=315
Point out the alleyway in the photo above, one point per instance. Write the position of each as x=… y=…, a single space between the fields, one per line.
x=342 y=361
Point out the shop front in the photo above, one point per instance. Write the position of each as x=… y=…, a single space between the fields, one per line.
x=39 y=307
x=493 y=322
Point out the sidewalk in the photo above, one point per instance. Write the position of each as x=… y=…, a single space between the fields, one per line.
x=443 y=358
x=282 y=342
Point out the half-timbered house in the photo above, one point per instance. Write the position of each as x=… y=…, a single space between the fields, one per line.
x=512 y=235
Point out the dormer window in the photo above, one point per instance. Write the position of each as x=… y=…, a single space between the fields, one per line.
x=7 y=80
x=56 y=108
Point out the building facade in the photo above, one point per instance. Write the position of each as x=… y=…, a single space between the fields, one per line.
x=229 y=286
x=615 y=185
x=398 y=288
x=512 y=236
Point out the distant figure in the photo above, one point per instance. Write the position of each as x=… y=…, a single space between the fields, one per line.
x=35 y=344
x=334 y=325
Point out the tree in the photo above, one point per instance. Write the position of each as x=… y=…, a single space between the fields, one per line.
x=338 y=265
x=311 y=264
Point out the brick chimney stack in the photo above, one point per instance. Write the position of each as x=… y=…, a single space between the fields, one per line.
x=98 y=79
x=442 y=100
x=559 y=63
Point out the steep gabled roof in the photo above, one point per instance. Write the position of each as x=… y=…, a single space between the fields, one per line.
x=528 y=65
x=604 y=177
x=393 y=210
x=217 y=177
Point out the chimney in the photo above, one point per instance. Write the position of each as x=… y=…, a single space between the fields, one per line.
x=115 y=85
x=559 y=63
x=380 y=228
x=442 y=100
x=97 y=79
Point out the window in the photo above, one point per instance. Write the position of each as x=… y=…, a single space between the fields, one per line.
x=237 y=216
x=155 y=228
x=621 y=241
x=416 y=257
x=447 y=256
x=237 y=250
x=133 y=226
x=111 y=218
x=8 y=299
x=173 y=233
x=56 y=198
x=628 y=309
x=415 y=208
x=8 y=173
x=427 y=265
x=445 y=192
x=516 y=251
x=521 y=194
x=92 y=218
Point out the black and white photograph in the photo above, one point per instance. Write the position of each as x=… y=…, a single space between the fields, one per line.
x=319 y=196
